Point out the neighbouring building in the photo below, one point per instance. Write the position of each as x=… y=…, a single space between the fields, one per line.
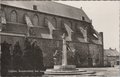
x=111 y=57
x=45 y=23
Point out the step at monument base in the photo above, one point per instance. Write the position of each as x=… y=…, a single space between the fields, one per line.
x=66 y=70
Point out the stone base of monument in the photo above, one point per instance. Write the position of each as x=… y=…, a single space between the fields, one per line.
x=66 y=70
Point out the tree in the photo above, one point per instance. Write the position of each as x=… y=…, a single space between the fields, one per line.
x=5 y=58
x=33 y=57
x=17 y=56
x=38 y=56
x=28 y=55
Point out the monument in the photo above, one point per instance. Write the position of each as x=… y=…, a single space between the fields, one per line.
x=65 y=69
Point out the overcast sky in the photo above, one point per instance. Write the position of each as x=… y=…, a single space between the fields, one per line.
x=105 y=18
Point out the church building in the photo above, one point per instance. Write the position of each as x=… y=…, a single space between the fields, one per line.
x=24 y=24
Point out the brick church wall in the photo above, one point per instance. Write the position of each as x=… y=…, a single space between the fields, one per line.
x=48 y=46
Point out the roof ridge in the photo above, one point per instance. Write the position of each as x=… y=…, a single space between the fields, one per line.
x=68 y=5
x=51 y=7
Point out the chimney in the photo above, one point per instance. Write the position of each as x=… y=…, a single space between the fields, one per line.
x=34 y=7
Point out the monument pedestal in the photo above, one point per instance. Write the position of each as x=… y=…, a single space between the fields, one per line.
x=66 y=70
x=69 y=71
x=65 y=67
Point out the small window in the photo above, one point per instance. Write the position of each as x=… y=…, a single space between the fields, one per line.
x=83 y=18
x=13 y=16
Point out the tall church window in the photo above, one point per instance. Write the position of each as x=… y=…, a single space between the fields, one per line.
x=54 y=21
x=76 y=28
x=70 y=24
x=62 y=24
x=0 y=15
x=45 y=21
x=2 y=20
x=35 y=20
x=13 y=16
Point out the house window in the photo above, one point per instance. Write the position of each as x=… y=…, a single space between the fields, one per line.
x=35 y=20
x=83 y=18
x=13 y=16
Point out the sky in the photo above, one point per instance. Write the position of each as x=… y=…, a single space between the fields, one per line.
x=105 y=18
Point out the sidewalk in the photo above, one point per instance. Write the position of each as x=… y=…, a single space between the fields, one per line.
x=107 y=71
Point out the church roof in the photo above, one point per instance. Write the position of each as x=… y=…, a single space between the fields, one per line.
x=51 y=8
x=111 y=52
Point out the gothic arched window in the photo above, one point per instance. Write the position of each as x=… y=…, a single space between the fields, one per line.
x=45 y=22
x=76 y=28
x=13 y=16
x=2 y=14
x=62 y=24
x=70 y=24
x=54 y=21
x=35 y=20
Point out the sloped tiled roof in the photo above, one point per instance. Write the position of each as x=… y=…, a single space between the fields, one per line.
x=51 y=8
x=111 y=52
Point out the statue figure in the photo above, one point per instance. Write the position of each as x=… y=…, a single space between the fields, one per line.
x=55 y=56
